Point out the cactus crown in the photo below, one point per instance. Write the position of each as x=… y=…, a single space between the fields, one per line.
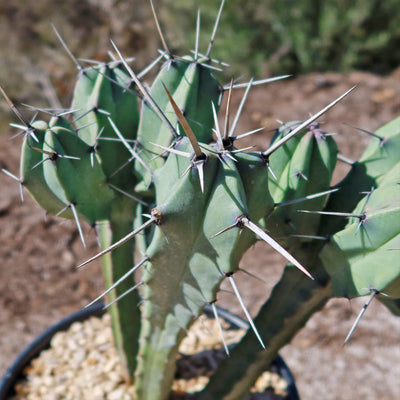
x=153 y=171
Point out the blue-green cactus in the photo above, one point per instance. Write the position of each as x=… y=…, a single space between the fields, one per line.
x=149 y=176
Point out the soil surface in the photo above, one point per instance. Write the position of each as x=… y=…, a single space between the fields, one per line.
x=39 y=283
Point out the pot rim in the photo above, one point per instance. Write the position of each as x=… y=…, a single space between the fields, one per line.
x=42 y=342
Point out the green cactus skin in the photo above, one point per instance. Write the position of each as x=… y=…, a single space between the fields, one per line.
x=103 y=93
x=125 y=314
x=187 y=263
x=308 y=171
x=73 y=174
x=32 y=173
x=352 y=279
x=203 y=205
x=194 y=88
x=105 y=99
x=362 y=256
x=379 y=157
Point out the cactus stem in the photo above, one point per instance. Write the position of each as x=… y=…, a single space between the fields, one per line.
x=131 y=196
x=309 y=197
x=123 y=277
x=153 y=219
x=66 y=48
x=214 y=32
x=129 y=148
x=19 y=180
x=246 y=312
x=221 y=332
x=275 y=245
x=163 y=41
x=374 y=292
x=255 y=83
x=77 y=222
x=303 y=125
x=240 y=109
x=123 y=295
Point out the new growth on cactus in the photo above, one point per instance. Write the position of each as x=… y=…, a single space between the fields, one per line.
x=152 y=170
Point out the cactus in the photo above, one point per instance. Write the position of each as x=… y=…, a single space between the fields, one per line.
x=114 y=163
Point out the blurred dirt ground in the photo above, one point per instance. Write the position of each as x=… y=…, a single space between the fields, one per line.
x=39 y=283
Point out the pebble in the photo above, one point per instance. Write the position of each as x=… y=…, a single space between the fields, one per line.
x=83 y=364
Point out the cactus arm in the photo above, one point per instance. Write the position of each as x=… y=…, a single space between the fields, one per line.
x=194 y=87
x=308 y=171
x=294 y=299
x=33 y=177
x=379 y=157
x=83 y=184
x=381 y=154
x=125 y=314
x=362 y=256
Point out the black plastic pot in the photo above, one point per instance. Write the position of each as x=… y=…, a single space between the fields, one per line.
x=42 y=342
